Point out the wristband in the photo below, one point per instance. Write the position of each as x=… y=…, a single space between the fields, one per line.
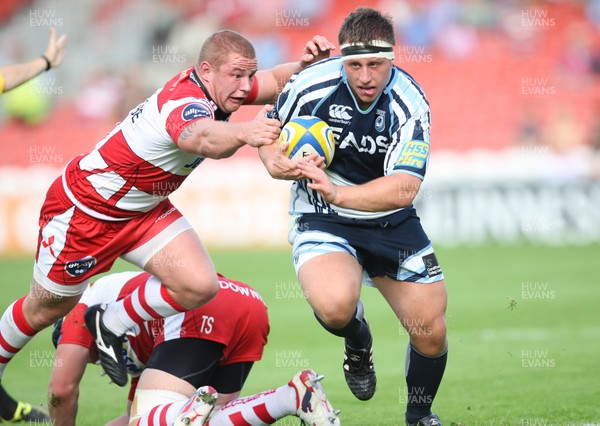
x=48 y=64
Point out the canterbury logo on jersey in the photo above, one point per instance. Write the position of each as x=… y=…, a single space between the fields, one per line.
x=341 y=112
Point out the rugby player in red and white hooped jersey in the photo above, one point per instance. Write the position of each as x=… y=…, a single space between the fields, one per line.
x=113 y=202
x=210 y=347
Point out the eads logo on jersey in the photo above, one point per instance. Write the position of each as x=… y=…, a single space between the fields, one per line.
x=79 y=267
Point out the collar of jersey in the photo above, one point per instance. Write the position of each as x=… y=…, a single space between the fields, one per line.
x=220 y=115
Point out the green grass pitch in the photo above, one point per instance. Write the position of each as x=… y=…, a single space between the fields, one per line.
x=523 y=324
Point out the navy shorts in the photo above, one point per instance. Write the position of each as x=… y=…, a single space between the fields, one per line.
x=395 y=245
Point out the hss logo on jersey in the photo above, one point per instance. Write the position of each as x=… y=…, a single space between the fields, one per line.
x=414 y=154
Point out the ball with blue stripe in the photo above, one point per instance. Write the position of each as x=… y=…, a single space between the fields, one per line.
x=306 y=135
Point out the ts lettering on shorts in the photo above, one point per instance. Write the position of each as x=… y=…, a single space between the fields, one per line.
x=79 y=267
x=431 y=265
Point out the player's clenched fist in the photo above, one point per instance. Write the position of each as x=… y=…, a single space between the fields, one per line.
x=262 y=130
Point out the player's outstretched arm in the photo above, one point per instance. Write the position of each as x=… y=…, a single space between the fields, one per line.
x=385 y=193
x=16 y=74
x=272 y=81
x=221 y=139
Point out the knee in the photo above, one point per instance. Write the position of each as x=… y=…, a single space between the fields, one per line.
x=336 y=315
x=59 y=393
x=196 y=291
x=429 y=338
x=42 y=314
x=43 y=318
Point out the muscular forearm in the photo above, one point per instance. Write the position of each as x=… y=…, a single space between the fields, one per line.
x=221 y=139
x=212 y=139
x=272 y=81
x=282 y=73
x=16 y=74
x=386 y=193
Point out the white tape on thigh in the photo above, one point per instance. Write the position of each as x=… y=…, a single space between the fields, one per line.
x=146 y=399
x=142 y=254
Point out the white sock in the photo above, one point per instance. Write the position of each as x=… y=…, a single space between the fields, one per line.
x=147 y=302
x=263 y=408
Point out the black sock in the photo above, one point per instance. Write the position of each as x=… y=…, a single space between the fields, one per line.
x=423 y=377
x=356 y=332
x=7 y=405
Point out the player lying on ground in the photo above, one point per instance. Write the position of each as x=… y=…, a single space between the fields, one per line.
x=214 y=345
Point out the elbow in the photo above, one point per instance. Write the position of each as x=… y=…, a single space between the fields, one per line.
x=222 y=154
x=406 y=202
x=407 y=191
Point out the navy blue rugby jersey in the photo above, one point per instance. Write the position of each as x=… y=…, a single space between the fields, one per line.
x=391 y=136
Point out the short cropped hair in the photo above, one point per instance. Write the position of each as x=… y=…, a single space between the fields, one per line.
x=365 y=24
x=217 y=47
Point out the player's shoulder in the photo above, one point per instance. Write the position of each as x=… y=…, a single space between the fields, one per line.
x=404 y=89
x=180 y=87
x=325 y=72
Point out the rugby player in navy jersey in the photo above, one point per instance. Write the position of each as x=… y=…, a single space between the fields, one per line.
x=354 y=222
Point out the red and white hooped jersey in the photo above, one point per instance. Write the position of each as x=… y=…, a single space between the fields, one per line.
x=236 y=317
x=138 y=164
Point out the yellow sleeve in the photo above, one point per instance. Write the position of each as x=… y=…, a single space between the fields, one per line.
x=1 y=84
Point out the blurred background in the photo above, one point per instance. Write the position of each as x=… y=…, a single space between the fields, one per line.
x=511 y=199
x=514 y=88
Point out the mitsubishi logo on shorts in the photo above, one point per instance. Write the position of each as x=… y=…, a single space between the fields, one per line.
x=47 y=243
x=341 y=112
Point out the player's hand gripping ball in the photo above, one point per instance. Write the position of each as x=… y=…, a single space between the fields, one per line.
x=307 y=135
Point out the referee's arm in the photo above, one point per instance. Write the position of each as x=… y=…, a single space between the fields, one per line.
x=14 y=75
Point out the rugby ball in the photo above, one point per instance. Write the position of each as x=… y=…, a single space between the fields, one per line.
x=307 y=135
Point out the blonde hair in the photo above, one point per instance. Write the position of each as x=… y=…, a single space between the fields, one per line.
x=216 y=48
